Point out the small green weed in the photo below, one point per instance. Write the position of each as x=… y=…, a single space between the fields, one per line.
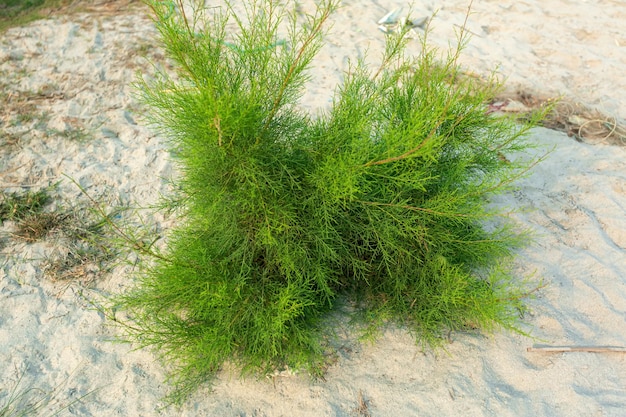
x=19 y=206
x=27 y=210
x=32 y=401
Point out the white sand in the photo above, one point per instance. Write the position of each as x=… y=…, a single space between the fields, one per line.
x=576 y=200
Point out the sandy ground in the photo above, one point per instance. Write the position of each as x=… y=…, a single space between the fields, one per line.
x=69 y=112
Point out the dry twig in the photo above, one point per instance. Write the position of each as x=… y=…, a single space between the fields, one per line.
x=561 y=349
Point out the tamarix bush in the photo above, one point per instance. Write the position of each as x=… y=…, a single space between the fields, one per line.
x=380 y=203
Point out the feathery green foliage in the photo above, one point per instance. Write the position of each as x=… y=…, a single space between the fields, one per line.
x=383 y=200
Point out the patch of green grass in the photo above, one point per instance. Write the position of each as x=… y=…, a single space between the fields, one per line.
x=27 y=209
x=381 y=201
x=37 y=118
x=19 y=12
x=13 y=8
x=19 y=206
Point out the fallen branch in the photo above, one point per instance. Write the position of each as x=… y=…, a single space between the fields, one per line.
x=557 y=349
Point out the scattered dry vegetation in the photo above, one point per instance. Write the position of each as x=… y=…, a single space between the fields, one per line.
x=79 y=236
x=576 y=120
x=362 y=409
x=24 y=111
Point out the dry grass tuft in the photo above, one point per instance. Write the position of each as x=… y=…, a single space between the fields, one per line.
x=38 y=225
x=576 y=120
x=18 y=206
x=79 y=236
x=362 y=408
x=80 y=262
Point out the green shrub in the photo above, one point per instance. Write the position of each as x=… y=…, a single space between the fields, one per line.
x=383 y=201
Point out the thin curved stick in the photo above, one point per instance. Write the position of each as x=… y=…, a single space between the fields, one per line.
x=562 y=349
